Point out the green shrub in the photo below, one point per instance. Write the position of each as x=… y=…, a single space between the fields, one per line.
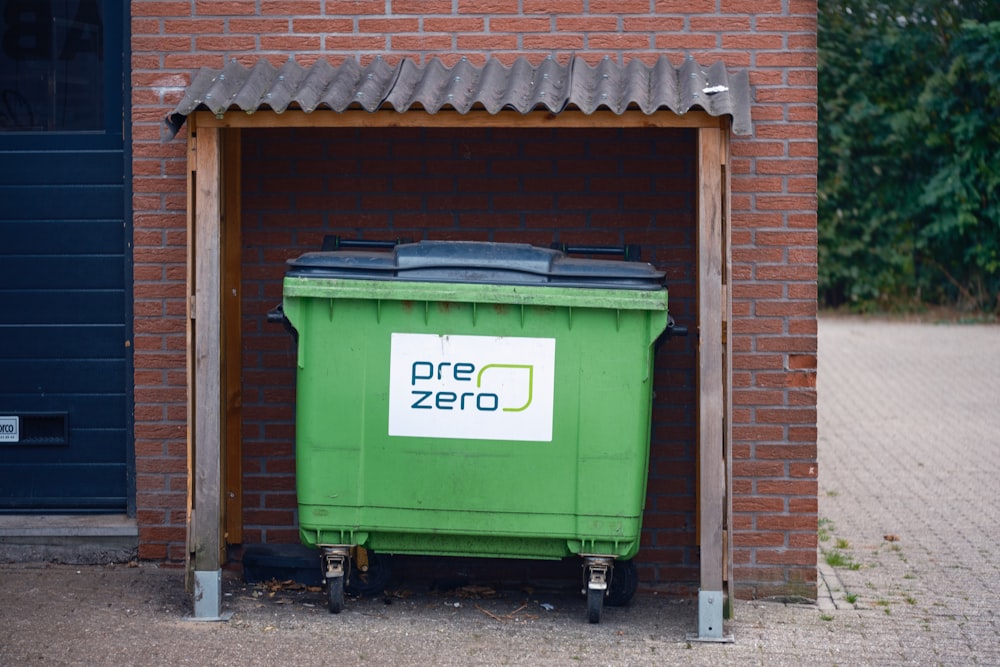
x=909 y=139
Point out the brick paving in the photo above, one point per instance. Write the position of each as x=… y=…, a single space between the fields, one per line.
x=909 y=452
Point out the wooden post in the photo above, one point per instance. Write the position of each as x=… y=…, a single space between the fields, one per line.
x=192 y=166
x=232 y=339
x=727 y=370
x=711 y=404
x=205 y=542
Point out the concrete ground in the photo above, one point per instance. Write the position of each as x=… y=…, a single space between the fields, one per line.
x=909 y=428
x=909 y=499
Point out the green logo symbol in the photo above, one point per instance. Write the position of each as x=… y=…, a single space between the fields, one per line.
x=531 y=376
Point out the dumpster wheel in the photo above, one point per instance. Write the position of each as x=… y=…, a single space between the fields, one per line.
x=623 y=584
x=335 y=594
x=598 y=571
x=595 y=605
x=370 y=577
x=336 y=563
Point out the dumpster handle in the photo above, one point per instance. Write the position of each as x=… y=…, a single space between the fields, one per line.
x=334 y=242
x=631 y=252
x=674 y=330
x=277 y=315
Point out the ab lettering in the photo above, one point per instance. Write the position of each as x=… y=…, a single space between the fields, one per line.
x=424 y=399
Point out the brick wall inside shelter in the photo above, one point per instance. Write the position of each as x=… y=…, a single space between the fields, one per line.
x=577 y=186
x=288 y=205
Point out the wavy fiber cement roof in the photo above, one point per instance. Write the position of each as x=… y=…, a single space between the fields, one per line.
x=494 y=87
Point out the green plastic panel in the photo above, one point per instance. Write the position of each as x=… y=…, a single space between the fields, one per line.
x=577 y=488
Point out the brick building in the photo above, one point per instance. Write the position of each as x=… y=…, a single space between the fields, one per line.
x=503 y=184
x=600 y=182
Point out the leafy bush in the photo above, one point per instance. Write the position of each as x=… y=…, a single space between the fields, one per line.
x=909 y=133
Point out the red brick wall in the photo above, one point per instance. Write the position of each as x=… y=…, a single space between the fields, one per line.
x=594 y=187
x=773 y=219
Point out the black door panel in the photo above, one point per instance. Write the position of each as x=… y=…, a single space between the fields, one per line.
x=65 y=276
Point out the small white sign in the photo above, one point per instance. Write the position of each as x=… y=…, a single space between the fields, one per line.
x=471 y=387
x=10 y=429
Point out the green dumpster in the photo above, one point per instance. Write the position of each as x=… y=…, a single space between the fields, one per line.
x=473 y=399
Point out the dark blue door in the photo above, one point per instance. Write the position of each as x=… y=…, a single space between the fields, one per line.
x=65 y=314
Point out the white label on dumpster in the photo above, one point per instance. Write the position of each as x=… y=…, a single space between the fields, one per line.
x=475 y=387
x=10 y=429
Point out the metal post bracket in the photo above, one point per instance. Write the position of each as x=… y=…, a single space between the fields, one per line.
x=208 y=597
x=710 y=605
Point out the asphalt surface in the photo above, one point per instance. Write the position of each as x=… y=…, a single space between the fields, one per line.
x=909 y=448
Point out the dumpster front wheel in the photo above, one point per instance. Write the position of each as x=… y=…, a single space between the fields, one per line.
x=595 y=605
x=336 y=561
x=598 y=572
x=335 y=594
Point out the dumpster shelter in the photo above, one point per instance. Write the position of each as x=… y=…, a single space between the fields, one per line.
x=220 y=104
x=470 y=398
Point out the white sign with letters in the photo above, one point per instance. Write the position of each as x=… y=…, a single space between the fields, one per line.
x=10 y=429
x=472 y=387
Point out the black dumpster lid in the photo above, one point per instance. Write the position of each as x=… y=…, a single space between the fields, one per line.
x=477 y=262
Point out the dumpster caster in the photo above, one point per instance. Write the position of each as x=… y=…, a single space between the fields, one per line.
x=370 y=573
x=623 y=584
x=335 y=594
x=336 y=561
x=595 y=605
x=598 y=571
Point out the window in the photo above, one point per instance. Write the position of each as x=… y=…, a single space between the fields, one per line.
x=51 y=66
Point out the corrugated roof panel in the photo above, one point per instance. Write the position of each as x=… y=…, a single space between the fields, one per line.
x=427 y=86
x=259 y=90
x=370 y=88
x=591 y=87
x=285 y=86
x=494 y=86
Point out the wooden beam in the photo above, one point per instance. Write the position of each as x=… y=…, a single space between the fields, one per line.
x=449 y=118
x=711 y=405
x=727 y=369
x=232 y=339
x=189 y=346
x=206 y=528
